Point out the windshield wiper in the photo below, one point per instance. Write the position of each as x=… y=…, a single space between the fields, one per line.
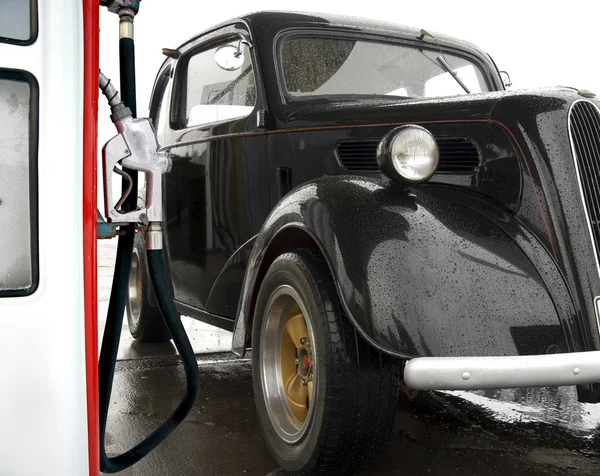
x=442 y=60
x=454 y=74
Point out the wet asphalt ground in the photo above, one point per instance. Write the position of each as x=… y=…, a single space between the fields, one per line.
x=522 y=432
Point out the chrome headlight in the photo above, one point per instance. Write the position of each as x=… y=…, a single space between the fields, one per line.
x=408 y=154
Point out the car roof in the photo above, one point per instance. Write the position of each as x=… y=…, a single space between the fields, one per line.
x=270 y=22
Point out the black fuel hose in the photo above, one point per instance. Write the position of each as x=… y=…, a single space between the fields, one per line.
x=127 y=73
x=128 y=96
x=173 y=321
x=110 y=342
x=118 y=293
x=116 y=308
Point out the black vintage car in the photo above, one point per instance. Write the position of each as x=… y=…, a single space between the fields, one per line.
x=347 y=196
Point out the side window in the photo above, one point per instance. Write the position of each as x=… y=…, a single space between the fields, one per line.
x=18 y=183
x=218 y=85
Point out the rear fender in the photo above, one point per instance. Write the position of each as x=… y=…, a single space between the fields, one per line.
x=428 y=271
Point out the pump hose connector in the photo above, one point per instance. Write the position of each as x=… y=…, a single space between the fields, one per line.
x=132 y=7
x=154 y=236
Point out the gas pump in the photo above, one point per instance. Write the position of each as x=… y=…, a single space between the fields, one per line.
x=54 y=400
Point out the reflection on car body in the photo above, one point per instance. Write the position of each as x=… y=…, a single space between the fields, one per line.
x=342 y=204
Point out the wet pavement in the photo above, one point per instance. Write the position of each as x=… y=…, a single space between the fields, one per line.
x=434 y=434
x=508 y=432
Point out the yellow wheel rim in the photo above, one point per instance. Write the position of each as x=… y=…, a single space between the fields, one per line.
x=288 y=364
x=296 y=365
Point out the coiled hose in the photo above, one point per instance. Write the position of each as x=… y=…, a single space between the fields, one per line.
x=173 y=321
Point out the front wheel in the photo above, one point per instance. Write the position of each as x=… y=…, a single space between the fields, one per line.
x=326 y=400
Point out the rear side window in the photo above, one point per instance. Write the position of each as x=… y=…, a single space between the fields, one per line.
x=216 y=85
x=18 y=183
x=18 y=21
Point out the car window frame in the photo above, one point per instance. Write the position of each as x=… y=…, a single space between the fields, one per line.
x=219 y=37
x=283 y=35
x=160 y=88
x=34 y=118
x=33 y=28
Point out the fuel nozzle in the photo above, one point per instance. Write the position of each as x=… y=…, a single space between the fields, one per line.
x=135 y=148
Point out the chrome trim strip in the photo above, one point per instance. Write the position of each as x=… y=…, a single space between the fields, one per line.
x=597 y=311
x=585 y=207
x=478 y=373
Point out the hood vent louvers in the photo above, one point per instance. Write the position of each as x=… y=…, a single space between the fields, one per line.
x=358 y=155
x=458 y=155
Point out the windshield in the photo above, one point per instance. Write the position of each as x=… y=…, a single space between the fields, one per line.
x=316 y=66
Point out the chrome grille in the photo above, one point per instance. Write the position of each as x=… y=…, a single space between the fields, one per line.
x=584 y=129
x=458 y=155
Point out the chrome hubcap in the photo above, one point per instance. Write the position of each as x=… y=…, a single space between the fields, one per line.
x=135 y=289
x=288 y=364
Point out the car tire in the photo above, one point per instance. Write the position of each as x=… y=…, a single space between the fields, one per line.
x=145 y=320
x=349 y=389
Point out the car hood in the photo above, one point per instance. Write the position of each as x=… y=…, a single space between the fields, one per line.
x=380 y=111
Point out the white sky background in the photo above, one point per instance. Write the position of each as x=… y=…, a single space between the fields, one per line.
x=538 y=43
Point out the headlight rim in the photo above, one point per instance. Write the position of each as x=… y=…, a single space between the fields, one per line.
x=384 y=155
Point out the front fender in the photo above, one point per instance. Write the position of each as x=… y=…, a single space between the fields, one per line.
x=427 y=271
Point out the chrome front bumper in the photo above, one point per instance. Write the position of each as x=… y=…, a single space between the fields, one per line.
x=476 y=373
